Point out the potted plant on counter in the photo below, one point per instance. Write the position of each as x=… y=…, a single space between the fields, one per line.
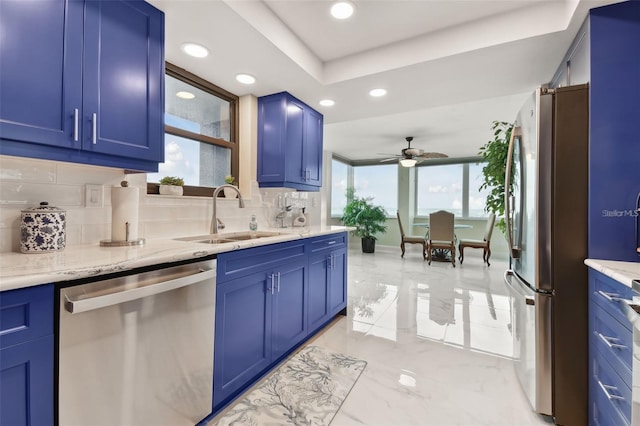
x=367 y=218
x=171 y=185
x=230 y=180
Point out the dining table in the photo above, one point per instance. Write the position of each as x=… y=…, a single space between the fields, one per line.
x=440 y=254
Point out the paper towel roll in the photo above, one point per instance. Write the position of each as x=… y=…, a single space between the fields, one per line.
x=124 y=208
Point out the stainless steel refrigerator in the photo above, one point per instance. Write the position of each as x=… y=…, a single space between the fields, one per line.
x=547 y=232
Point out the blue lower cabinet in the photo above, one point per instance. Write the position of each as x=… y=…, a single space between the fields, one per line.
x=26 y=383
x=260 y=317
x=289 y=324
x=269 y=299
x=610 y=352
x=327 y=286
x=338 y=281
x=26 y=356
x=242 y=343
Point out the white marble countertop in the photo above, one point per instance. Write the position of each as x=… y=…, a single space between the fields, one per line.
x=625 y=272
x=19 y=270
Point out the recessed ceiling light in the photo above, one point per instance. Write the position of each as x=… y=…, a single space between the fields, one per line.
x=376 y=93
x=195 y=50
x=245 y=78
x=342 y=9
x=185 y=95
x=327 y=102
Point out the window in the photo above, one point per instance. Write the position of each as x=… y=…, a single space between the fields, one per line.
x=200 y=133
x=477 y=197
x=339 y=185
x=451 y=187
x=439 y=188
x=380 y=183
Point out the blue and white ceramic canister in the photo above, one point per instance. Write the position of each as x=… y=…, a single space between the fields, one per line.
x=43 y=229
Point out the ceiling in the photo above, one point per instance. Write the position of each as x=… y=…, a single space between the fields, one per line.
x=450 y=67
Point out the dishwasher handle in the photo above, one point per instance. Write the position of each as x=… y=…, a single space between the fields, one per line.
x=97 y=302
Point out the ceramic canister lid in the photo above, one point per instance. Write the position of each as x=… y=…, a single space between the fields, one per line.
x=43 y=208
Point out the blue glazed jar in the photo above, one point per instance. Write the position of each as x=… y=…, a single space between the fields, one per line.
x=43 y=229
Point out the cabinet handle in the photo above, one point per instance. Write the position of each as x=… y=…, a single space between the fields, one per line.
x=607 y=340
x=273 y=277
x=278 y=282
x=607 y=388
x=75 y=125
x=611 y=297
x=331 y=243
x=94 y=128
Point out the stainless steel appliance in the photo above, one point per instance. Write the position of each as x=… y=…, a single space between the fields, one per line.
x=637 y=227
x=547 y=231
x=138 y=349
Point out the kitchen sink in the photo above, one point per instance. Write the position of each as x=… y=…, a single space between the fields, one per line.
x=228 y=238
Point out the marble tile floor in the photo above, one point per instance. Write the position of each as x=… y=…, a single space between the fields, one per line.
x=436 y=340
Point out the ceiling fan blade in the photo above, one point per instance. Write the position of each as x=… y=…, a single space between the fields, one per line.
x=433 y=155
x=389 y=159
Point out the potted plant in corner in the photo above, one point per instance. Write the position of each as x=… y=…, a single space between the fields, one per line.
x=230 y=180
x=494 y=153
x=367 y=218
x=171 y=185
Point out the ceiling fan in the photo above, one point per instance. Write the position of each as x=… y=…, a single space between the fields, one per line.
x=410 y=156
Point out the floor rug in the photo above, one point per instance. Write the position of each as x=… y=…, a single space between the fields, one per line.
x=308 y=389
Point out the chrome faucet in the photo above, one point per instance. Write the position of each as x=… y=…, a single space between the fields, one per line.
x=214 y=218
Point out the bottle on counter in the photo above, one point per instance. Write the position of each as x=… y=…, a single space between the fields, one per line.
x=253 y=223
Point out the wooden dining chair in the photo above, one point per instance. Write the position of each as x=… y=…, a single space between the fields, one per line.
x=411 y=239
x=441 y=235
x=485 y=244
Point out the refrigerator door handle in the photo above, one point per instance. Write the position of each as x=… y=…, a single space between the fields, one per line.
x=529 y=299
x=509 y=197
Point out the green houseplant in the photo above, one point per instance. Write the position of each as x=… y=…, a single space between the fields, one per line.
x=367 y=218
x=494 y=153
x=171 y=185
x=230 y=180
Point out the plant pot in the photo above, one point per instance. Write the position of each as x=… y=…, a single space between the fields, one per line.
x=229 y=193
x=368 y=244
x=171 y=190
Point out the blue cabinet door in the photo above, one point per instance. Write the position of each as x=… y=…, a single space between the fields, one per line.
x=338 y=281
x=123 y=79
x=26 y=383
x=295 y=125
x=41 y=71
x=289 y=143
x=318 y=305
x=289 y=322
x=83 y=82
x=242 y=347
x=312 y=154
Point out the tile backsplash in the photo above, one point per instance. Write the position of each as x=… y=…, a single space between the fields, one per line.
x=85 y=193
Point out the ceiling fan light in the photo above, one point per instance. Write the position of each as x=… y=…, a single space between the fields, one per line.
x=408 y=162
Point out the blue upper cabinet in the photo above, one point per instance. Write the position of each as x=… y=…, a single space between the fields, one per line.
x=614 y=149
x=83 y=82
x=289 y=143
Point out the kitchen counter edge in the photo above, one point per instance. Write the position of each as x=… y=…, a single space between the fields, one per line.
x=18 y=270
x=624 y=272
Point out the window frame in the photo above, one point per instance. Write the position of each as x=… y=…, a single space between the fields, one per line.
x=233 y=144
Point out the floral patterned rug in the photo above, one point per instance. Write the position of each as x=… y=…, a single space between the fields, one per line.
x=308 y=389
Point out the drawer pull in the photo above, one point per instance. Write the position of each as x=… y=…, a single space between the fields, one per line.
x=607 y=388
x=608 y=341
x=611 y=297
x=331 y=243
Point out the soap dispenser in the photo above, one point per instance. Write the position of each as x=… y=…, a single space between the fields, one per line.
x=253 y=223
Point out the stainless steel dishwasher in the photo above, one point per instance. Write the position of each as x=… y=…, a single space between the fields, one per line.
x=138 y=349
